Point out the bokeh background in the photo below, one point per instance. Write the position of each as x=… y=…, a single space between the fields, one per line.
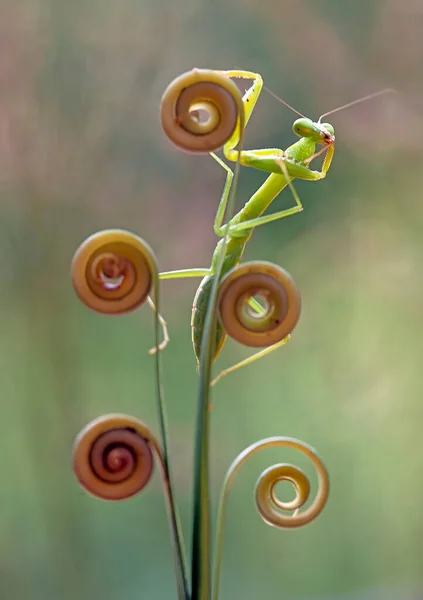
x=81 y=149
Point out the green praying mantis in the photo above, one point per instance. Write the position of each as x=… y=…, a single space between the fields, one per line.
x=283 y=166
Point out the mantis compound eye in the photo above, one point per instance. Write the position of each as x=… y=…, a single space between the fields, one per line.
x=259 y=304
x=200 y=109
x=112 y=271
x=112 y=457
x=304 y=127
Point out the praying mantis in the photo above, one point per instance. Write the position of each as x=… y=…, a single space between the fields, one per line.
x=282 y=166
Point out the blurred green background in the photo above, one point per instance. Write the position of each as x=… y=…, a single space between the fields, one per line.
x=81 y=149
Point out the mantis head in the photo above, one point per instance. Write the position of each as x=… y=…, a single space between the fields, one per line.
x=320 y=133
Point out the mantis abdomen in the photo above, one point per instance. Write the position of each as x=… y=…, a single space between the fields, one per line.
x=198 y=316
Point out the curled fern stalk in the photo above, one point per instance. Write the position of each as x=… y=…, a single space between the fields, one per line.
x=268 y=505
x=113 y=272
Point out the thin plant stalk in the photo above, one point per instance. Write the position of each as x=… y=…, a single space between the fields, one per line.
x=176 y=529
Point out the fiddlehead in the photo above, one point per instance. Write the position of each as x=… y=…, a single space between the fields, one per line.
x=272 y=322
x=113 y=457
x=268 y=505
x=196 y=94
x=113 y=271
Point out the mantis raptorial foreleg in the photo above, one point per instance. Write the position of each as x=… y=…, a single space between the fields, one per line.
x=249 y=99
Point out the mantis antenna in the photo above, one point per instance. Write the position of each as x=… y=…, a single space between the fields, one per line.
x=363 y=99
x=283 y=101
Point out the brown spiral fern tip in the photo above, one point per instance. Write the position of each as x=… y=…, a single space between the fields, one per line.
x=200 y=110
x=113 y=457
x=112 y=271
x=274 y=320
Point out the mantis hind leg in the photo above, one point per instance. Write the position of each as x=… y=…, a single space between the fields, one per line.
x=250 y=359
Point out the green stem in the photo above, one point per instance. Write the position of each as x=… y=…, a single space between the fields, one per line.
x=176 y=530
